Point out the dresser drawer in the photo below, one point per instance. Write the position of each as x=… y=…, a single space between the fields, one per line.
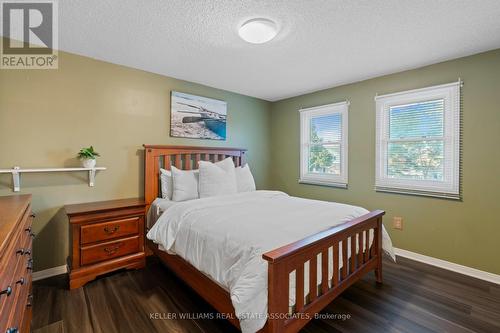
x=16 y=251
x=13 y=267
x=10 y=261
x=15 y=254
x=109 y=230
x=16 y=312
x=105 y=251
x=18 y=283
x=23 y=304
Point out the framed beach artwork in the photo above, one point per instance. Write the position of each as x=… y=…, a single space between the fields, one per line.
x=197 y=117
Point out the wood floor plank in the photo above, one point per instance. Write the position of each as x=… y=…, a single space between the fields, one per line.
x=45 y=309
x=414 y=298
x=56 y=327
x=449 y=295
x=434 y=271
x=433 y=303
x=129 y=299
x=368 y=319
x=102 y=316
x=450 y=287
x=73 y=304
x=413 y=312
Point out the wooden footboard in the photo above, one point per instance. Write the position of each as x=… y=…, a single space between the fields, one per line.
x=290 y=258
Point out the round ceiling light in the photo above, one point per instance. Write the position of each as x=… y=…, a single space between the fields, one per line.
x=258 y=30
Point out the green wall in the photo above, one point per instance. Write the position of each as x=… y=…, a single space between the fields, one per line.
x=464 y=232
x=47 y=115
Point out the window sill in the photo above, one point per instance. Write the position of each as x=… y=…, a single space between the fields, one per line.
x=322 y=183
x=440 y=195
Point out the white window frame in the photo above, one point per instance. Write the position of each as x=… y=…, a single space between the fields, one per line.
x=307 y=177
x=450 y=186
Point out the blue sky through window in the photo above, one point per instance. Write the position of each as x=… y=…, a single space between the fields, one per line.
x=328 y=128
x=417 y=120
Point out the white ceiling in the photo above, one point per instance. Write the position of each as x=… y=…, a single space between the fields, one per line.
x=321 y=43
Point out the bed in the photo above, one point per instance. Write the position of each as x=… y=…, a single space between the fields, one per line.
x=290 y=281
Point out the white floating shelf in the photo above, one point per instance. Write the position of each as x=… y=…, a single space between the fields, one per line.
x=15 y=171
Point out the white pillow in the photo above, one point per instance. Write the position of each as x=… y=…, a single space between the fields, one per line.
x=244 y=179
x=167 y=188
x=217 y=178
x=185 y=184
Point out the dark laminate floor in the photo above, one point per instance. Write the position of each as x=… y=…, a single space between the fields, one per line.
x=414 y=298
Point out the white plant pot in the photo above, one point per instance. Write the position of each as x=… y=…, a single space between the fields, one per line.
x=89 y=163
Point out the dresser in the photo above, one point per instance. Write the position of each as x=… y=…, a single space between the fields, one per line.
x=16 y=238
x=105 y=236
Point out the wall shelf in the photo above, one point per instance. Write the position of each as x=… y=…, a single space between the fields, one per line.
x=16 y=171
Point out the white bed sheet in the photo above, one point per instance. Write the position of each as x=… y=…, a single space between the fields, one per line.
x=157 y=208
x=224 y=237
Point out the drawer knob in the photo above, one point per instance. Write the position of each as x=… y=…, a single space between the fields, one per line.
x=12 y=330
x=7 y=291
x=20 y=281
x=30 y=232
x=111 y=250
x=29 y=267
x=23 y=251
x=112 y=230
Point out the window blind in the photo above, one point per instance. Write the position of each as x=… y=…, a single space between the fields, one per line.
x=416 y=143
x=325 y=144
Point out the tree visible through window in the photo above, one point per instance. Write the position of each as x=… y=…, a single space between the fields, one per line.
x=324 y=155
x=416 y=143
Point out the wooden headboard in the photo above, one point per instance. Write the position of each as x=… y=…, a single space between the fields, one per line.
x=182 y=157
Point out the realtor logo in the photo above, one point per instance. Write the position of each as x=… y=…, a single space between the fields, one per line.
x=29 y=34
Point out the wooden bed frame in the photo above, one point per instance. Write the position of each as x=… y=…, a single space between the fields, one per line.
x=281 y=261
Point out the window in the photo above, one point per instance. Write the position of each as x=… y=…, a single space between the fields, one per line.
x=418 y=140
x=323 y=145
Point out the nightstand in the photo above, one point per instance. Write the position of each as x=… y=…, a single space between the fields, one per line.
x=105 y=236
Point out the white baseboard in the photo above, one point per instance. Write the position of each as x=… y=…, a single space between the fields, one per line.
x=476 y=273
x=46 y=273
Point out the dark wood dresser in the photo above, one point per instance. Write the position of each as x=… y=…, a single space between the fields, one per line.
x=105 y=236
x=16 y=237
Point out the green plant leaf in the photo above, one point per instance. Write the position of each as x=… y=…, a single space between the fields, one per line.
x=88 y=153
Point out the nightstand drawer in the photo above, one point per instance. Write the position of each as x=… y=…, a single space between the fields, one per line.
x=109 y=230
x=105 y=251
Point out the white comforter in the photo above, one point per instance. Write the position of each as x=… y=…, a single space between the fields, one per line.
x=225 y=237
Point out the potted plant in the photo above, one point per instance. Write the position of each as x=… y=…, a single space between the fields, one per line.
x=88 y=156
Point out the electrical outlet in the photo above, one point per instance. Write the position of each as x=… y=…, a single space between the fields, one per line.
x=397 y=222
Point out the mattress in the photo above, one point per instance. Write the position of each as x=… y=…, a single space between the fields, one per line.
x=224 y=237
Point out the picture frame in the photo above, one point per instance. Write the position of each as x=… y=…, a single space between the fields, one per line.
x=197 y=117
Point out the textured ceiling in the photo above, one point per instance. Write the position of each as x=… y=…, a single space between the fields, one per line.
x=321 y=43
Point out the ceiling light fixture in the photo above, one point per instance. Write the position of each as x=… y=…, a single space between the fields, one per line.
x=258 y=30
